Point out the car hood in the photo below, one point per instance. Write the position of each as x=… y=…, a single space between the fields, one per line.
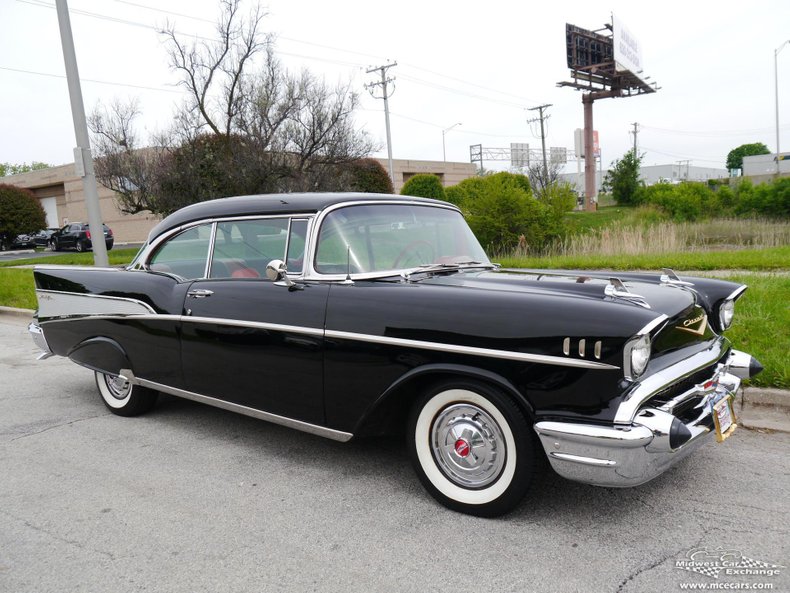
x=645 y=293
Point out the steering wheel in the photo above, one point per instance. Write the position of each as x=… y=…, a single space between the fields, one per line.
x=412 y=249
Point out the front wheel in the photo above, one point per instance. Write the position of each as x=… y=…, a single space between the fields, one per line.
x=472 y=448
x=123 y=398
x=53 y=245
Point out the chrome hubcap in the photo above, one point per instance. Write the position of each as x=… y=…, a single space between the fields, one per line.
x=468 y=446
x=118 y=386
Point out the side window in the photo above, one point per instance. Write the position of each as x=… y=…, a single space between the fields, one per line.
x=185 y=254
x=243 y=248
x=296 y=242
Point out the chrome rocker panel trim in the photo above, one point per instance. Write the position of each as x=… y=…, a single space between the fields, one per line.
x=335 y=435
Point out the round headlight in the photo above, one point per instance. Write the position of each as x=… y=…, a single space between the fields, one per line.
x=640 y=355
x=726 y=313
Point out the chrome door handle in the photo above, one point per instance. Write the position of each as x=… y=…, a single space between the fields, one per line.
x=200 y=293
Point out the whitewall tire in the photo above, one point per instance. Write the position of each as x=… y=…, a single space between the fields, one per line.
x=472 y=448
x=122 y=397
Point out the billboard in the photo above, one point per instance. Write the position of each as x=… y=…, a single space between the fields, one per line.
x=519 y=154
x=627 y=51
x=578 y=143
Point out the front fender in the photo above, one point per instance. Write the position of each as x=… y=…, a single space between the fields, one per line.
x=390 y=409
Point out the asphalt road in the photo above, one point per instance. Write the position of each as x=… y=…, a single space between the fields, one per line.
x=190 y=498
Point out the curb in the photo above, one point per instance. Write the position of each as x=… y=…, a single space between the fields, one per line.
x=763 y=409
x=14 y=312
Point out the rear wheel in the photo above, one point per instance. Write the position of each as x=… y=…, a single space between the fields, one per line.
x=123 y=398
x=80 y=246
x=472 y=448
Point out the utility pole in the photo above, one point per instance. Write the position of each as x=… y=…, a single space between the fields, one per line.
x=635 y=133
x=385 y=95
x=541 y=118
x=82 y=153
x=776 y=88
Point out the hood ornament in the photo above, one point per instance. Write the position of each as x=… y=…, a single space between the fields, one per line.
x=670 y=278
x=618 y=290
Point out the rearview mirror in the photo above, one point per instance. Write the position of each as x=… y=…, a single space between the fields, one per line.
x=276 y=270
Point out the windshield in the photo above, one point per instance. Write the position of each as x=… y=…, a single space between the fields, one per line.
x=389 y=237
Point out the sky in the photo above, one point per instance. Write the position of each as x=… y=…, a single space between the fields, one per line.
x=481 y=65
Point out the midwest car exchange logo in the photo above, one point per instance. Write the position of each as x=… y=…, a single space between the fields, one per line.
x=731 y=563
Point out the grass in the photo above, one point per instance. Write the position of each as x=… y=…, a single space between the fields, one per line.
x=116 y=256
x=771 y=259
x=16 y=289
x=762 y=319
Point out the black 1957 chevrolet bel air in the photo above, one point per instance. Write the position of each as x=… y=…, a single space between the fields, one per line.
x=347 y=315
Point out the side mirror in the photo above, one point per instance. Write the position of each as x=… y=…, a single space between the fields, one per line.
x=276 y=270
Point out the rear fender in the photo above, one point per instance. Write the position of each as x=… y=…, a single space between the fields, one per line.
x=100 y=354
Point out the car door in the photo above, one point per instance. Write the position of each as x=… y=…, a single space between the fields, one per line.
x=249 y=340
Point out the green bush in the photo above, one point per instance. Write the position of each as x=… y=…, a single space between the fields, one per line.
x=369 y=176
x=503 y=212
x=424 y=185
x=20 y=212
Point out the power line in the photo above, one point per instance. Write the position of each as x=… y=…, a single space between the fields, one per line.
x=107 y=82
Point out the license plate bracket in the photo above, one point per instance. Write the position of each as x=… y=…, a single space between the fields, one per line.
x=724 y=418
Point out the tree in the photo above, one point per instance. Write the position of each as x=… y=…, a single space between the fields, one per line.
x=424 y=185
x=13 y=169
x=622 y=180
x=248 y=126
x=735 y=156
x=541 y=178
x=20 y=212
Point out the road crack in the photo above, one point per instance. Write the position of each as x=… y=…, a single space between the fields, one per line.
x=62 y=424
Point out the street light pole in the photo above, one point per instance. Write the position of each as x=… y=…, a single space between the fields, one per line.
x=444 y=131
x=776 y=88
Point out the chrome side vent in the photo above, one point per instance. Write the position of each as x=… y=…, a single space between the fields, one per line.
x=617 y=290
x=582 y=348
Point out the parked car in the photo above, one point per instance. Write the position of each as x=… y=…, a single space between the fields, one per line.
x=347 y=315
x=23 y=241
x=77 y=235
x=42 y=237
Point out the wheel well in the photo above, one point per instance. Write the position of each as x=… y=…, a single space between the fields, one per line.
x=389 y=413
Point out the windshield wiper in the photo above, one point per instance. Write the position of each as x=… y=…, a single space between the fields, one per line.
x=453 y=267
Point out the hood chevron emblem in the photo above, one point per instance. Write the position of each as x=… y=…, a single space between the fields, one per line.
x=701 y=322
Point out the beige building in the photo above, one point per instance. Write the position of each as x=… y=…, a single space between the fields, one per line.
x=450 y=173
x=60 y=191
x=61 y=195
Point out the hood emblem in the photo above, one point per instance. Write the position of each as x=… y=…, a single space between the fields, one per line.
x=688 y=325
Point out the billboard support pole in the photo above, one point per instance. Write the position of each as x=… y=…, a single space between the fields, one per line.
x=589 y=156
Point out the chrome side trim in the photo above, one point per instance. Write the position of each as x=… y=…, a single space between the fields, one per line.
x=652 y=325
x=342 y=335
x=654 y=383
x=469 y=350
x=293 y=329
x=79 y=268
x=735 y=294
x=330 y=433
x=55 y=303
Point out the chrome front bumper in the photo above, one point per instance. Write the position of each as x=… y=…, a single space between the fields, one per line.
x=622 y=455
x=38 y=338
